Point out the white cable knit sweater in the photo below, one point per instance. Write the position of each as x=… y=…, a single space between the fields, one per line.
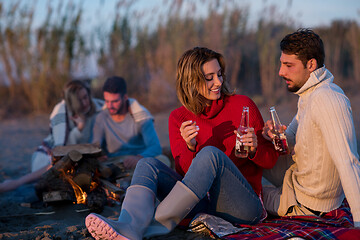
x=326 y=160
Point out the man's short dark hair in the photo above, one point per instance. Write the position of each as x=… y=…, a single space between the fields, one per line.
x=305 y=44
x=115 y=84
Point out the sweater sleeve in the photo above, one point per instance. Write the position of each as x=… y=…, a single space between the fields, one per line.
x=151 y=139
x=332 y=113
x=179 y=148
x=74 y=136
x=58 y=124
x=266 y=155
x=98 y=134
x=290 y=133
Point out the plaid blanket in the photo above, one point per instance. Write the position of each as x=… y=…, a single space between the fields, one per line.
x=336 y=224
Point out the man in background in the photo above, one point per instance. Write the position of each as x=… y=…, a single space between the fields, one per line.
x=125 y=129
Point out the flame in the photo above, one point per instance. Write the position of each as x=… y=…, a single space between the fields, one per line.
x=80 y=195
x=111 y=195
x=93 y=185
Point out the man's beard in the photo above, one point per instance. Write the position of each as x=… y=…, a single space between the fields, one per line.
x=121 y=110
x=293 y=88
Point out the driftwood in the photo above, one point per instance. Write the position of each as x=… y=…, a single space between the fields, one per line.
x=84 y=149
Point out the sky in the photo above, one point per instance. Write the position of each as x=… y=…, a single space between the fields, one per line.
x=306 y=13
x=313 y=13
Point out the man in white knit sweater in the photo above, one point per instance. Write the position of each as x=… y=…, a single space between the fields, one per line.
x=321 y=137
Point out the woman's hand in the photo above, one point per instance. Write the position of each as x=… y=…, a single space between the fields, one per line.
x=9 y=185
x=249 y=139
x=189 y=130
x=79 y=121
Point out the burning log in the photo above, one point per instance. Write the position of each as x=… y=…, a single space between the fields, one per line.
x=96 y=200
x=73 y=177
x=112 y=191
x=85 y=173
x=64 y=164
x=111 y=187
x=79 y=177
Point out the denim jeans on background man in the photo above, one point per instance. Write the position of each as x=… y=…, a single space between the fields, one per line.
x=231 y=197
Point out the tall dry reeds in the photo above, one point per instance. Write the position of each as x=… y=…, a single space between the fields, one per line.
x=143 y=46
x=37 y=62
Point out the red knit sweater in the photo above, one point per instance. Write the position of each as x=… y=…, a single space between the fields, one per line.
x=217 y=124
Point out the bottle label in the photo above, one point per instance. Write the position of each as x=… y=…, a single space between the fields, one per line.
x=280 y=143
x=241 y=151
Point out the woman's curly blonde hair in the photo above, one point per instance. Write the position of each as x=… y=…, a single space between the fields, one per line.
x=71 y=91
x=190 y=77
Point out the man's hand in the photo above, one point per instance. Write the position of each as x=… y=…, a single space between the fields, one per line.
x=268 y=130
x=189 y=130
x=131 y=161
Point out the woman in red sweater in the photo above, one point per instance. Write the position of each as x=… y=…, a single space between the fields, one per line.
x=209 y=178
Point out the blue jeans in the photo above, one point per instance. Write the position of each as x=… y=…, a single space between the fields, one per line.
x=231 y=197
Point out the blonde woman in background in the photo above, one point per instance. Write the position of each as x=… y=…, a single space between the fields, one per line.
x=71 y=122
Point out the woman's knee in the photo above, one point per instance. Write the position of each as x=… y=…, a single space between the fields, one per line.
x=210 y=151
x=210 y=154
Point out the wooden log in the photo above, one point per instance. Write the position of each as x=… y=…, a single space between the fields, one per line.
x=105 y=170
x=56 y=196
x=83 y=180
x=111 y=187
x=85 y=149
x=63 y=165
x=53 y=182
x=75 y=155
x=85 y=171
x=96 y=200
x=53 y=179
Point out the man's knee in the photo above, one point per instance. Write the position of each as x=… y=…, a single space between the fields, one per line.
x=271 y=199
x=147 y=161
x=276 y=174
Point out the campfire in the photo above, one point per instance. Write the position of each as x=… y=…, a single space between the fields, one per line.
x=78 y=177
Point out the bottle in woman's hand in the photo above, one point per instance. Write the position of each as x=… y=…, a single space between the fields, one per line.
x=242 y=151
